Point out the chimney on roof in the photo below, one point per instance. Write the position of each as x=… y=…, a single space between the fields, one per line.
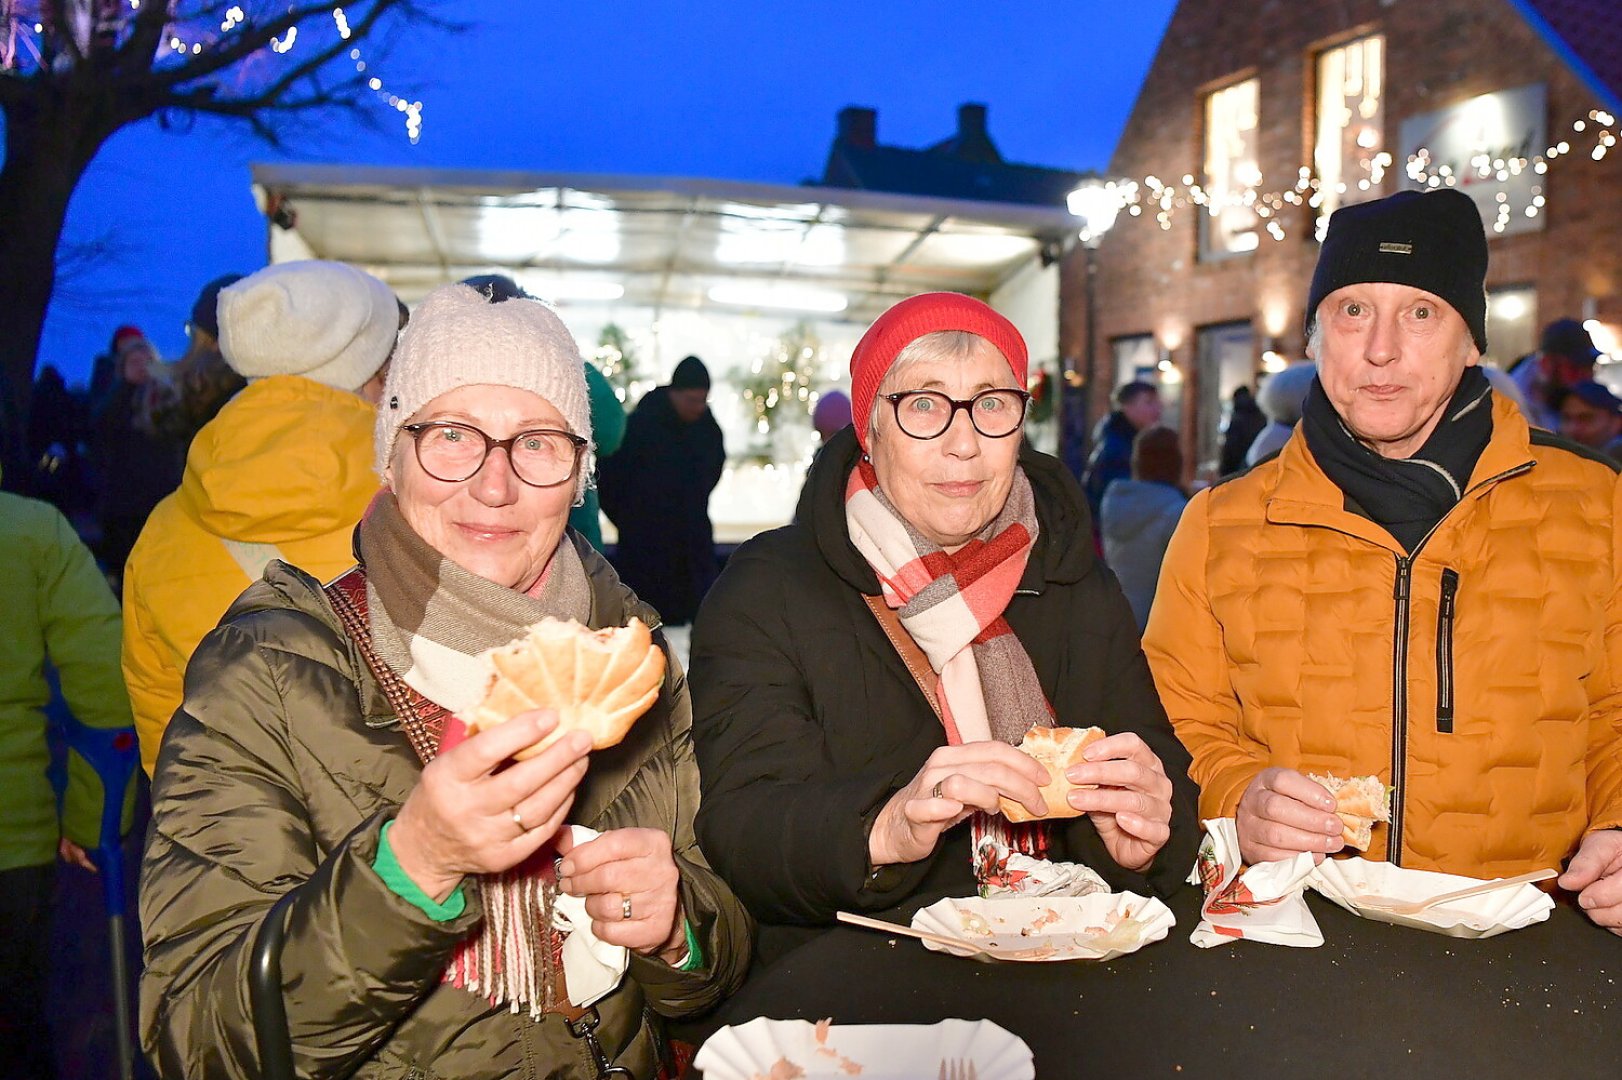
x=858 y=126
x=973 y=141
x=971 y=121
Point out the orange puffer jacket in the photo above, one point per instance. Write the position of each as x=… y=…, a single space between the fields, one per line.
x=1478 y=676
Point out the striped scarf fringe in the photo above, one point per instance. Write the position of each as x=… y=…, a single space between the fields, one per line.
x=508 y=965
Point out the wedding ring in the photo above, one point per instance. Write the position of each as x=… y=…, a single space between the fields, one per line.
x=625 y=908
x=518 y=819
x=938 y=794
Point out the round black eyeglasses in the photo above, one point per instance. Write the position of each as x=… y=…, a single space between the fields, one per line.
x=926 y=414
x=456 y=452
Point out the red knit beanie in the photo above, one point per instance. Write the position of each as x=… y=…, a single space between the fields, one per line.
x=910 y=320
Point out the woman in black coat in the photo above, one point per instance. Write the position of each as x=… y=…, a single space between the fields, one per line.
x=860 y=676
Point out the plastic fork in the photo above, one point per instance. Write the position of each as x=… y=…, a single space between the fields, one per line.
x=1414 y=907
x=957 y=944
x=958 y=1069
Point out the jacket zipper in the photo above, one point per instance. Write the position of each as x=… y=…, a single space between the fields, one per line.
x=1445 y=610
x=1400 y=593
x=1399 y=702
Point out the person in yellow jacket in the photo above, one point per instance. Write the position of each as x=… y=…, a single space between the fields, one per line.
x=1419 y=586
x=282 y=472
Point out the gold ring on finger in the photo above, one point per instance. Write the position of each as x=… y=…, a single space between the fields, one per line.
x=937 y=792
x=625 y=908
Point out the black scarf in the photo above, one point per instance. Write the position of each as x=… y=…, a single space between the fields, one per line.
x=1407 y=496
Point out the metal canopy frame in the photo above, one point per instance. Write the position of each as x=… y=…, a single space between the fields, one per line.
x=666 y=241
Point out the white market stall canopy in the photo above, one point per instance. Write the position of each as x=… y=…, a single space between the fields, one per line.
x=655 y=243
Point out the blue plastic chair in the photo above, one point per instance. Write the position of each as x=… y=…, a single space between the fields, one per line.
x=112 y=753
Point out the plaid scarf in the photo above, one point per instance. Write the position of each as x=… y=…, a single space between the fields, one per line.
x=952 y=606
x=430 y=619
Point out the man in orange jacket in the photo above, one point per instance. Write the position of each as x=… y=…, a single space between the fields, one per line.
x=1418 y=586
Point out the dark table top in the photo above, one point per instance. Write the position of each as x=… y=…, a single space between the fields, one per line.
x=1374 y=999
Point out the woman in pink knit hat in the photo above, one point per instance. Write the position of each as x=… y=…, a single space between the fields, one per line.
x=861 y=677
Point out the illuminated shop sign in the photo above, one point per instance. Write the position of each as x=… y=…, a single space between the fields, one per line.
x=1485 y=147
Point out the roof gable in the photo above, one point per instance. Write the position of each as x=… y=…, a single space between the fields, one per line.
x=1587 y=35
x=923 y=172
x=965 y=165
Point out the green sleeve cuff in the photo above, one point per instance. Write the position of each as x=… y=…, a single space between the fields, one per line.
x=695 y=953
x=401 y=885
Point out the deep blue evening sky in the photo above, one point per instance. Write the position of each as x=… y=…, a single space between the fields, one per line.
x=738 y=91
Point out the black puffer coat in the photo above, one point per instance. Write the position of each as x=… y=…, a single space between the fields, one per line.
x=806 y=720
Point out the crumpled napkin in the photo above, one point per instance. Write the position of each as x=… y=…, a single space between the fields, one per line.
x=592 y=968
x=1006 y=872
x=1264 y=903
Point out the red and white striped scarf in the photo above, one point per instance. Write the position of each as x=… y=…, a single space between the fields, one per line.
x=952 y=605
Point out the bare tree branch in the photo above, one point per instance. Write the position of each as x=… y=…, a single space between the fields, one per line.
x=139 y=52
x=260 y=113
x=244 y=43
x=253 y=38
x=206 y=98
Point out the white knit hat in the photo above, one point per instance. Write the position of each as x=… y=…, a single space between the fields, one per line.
x=456 y=337
x=326 y=321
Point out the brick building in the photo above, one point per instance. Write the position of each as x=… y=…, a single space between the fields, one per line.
x=1258 y=116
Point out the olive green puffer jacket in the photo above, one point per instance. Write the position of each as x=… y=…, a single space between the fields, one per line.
x=279 y=770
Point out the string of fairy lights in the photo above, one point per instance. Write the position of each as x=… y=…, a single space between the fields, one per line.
x=1163 y=201
x=189 y=40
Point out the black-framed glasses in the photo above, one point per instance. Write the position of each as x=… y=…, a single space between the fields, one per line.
x=454 y=452
x=926 y=414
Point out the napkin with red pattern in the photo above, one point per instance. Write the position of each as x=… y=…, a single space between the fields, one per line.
x=1264 y=902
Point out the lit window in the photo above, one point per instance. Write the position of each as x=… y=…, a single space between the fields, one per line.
x=1350 y=155
x=1135 y=359
x=1229 y=224
x=1511 y=322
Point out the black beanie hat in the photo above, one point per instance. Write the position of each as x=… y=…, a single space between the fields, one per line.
x=691 y=374
x=1430 y=240
x=205 y=313
x=496 y=287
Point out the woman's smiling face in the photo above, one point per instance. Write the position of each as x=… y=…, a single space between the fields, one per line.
x=492 y=524
x=952 y=486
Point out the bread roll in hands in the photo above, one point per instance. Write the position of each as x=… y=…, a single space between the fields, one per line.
x=1359 y=803
x=1057 y=748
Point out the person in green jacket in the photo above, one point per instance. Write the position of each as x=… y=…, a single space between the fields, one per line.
x=450 y=914
x=607 y=431
x=58 y=608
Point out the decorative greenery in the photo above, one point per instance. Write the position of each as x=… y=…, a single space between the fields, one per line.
x=1040 y=386
x=616 y=357
x=777 y=388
